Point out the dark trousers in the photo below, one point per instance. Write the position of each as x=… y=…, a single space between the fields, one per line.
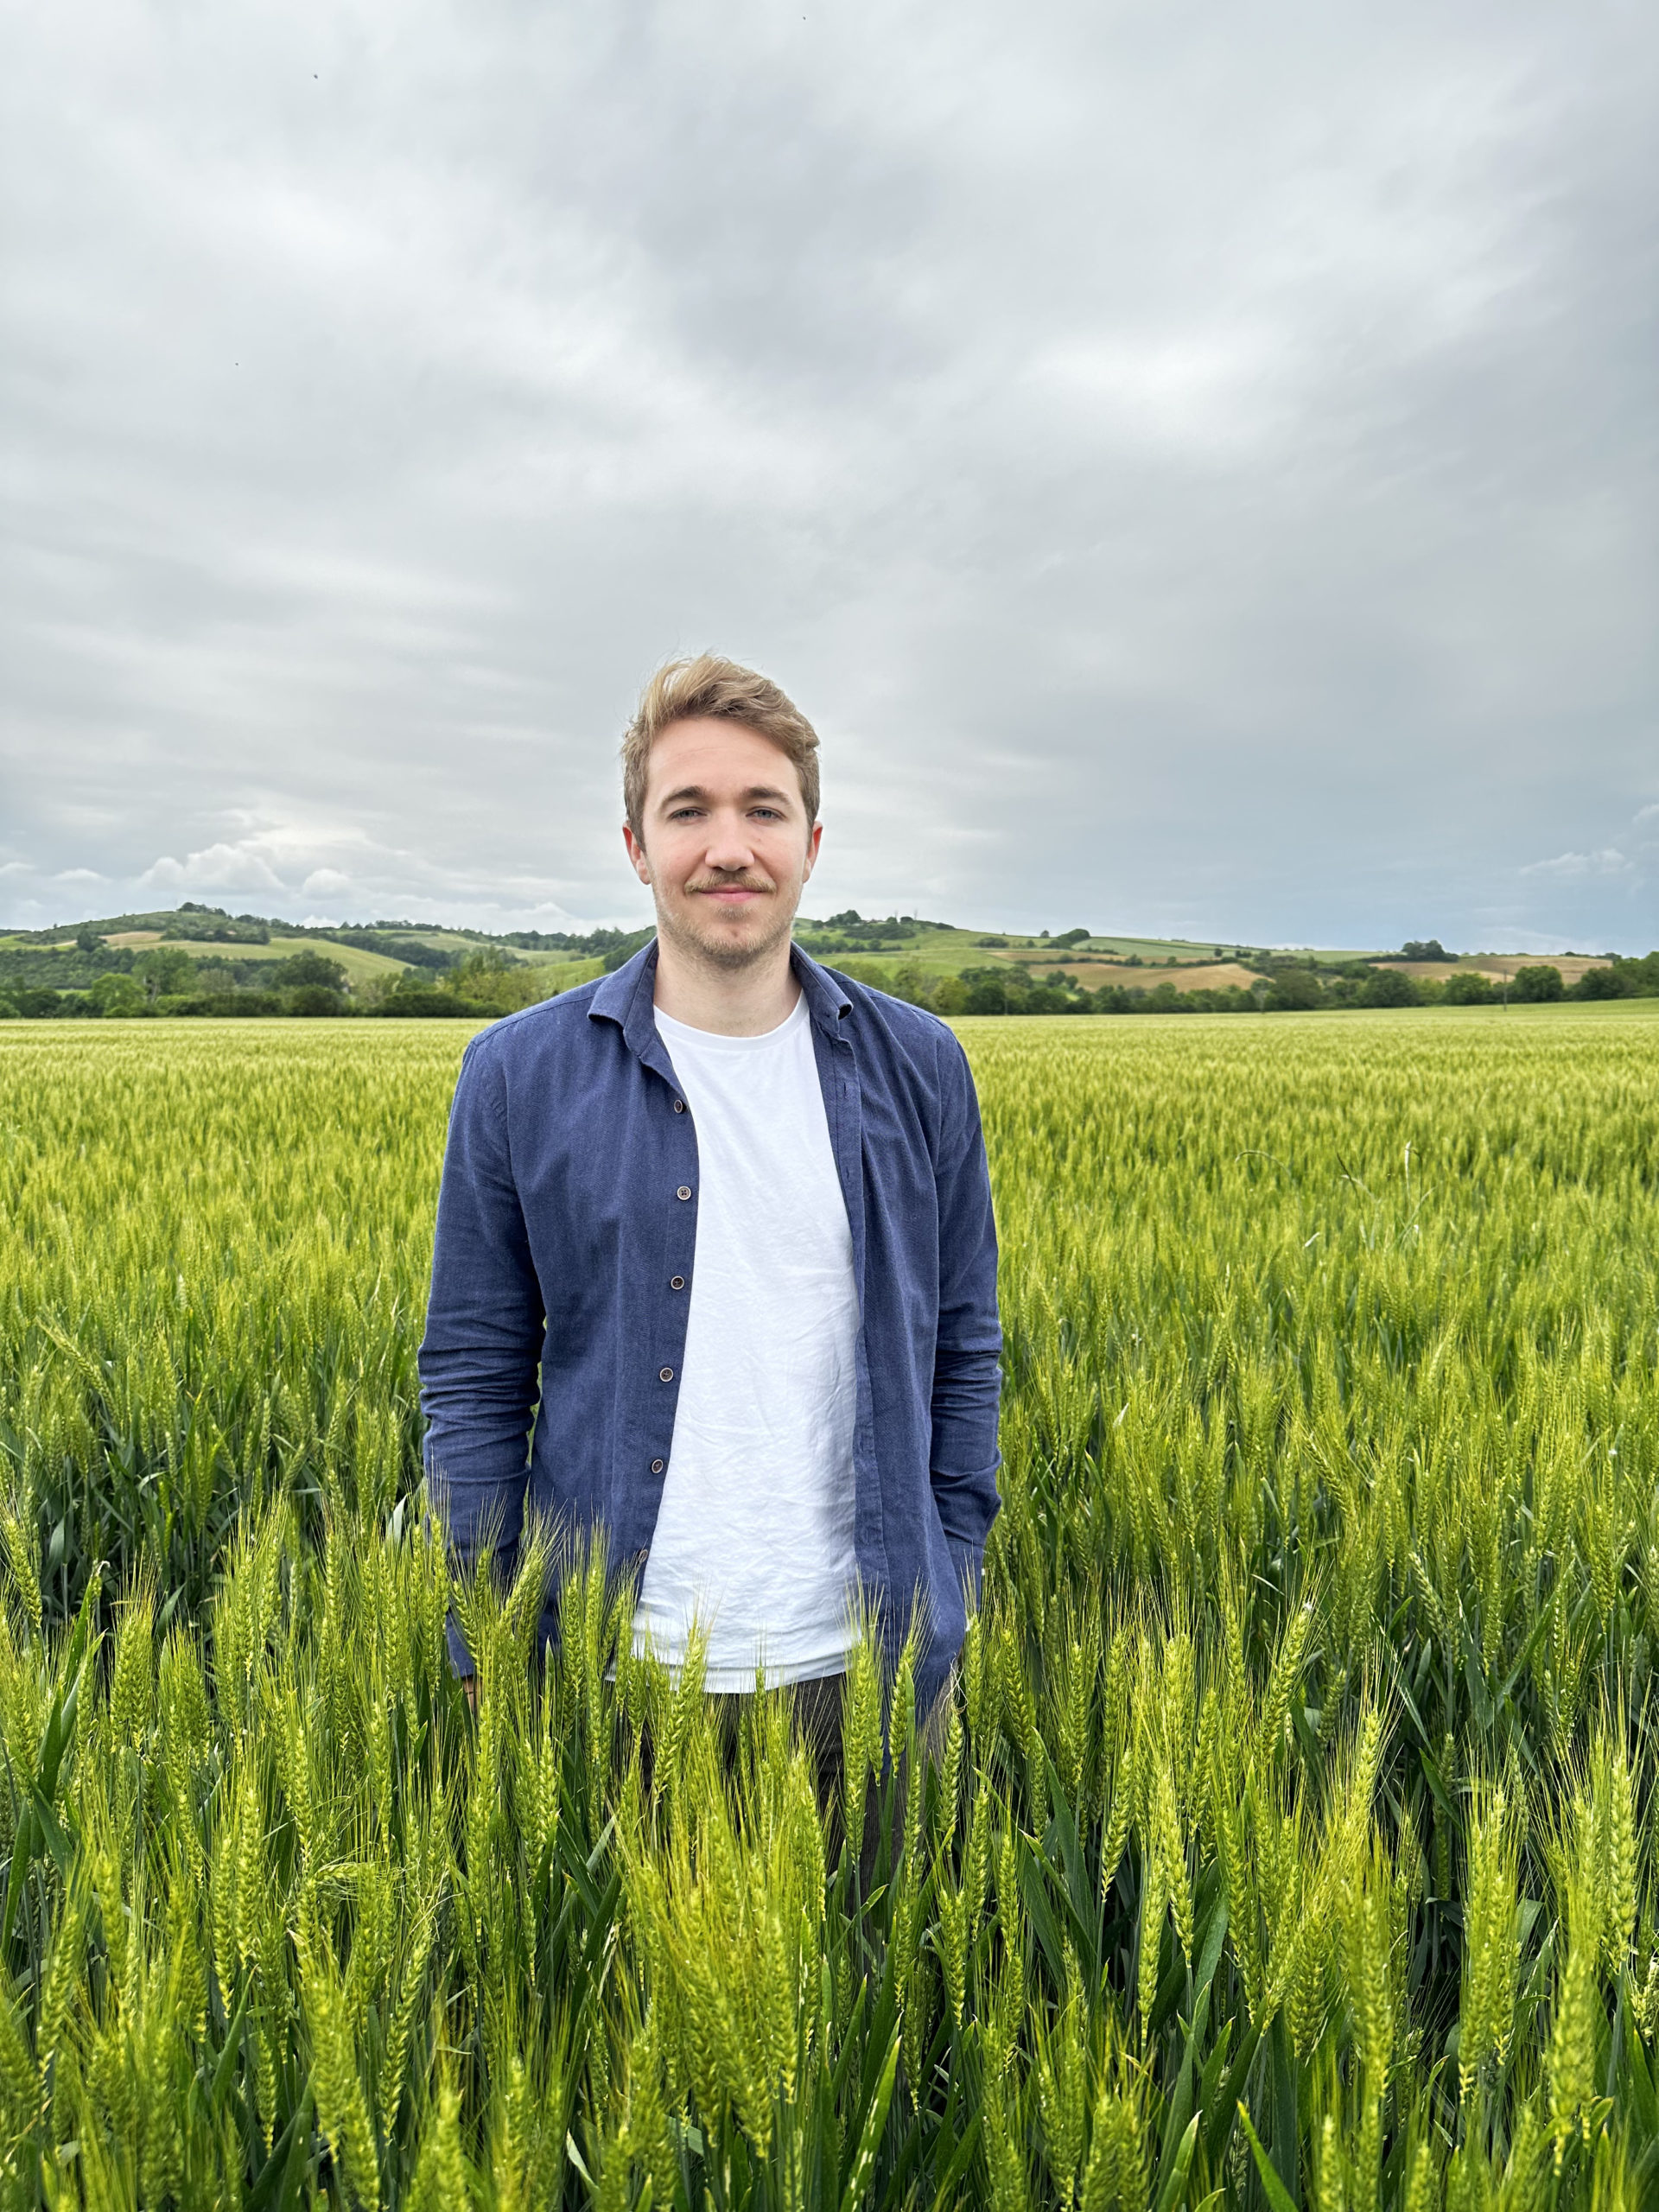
x=816 y=1708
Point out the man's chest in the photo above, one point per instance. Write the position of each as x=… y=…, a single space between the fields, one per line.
x=613 y=1176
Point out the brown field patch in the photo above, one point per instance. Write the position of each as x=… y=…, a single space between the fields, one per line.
x=1499 y=966
x=1572 y=964
x=134 y=936
x=1213 y=975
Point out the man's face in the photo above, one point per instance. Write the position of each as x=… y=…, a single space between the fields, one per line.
x=726 y=847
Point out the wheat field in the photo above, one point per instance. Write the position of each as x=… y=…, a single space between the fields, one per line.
x=1293 y=1839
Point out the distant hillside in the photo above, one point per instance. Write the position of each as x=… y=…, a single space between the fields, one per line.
x=196 y=959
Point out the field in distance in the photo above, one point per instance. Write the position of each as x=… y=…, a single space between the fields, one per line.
x=375 y=955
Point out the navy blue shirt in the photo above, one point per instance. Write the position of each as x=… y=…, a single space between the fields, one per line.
x=566 y=1244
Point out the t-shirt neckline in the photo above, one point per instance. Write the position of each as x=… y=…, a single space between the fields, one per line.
x=717 y=1039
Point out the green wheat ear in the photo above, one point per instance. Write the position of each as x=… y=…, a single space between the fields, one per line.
x=1491 y=1946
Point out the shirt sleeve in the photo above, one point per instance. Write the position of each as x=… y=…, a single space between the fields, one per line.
x=967 y=1361
x=484 y=1329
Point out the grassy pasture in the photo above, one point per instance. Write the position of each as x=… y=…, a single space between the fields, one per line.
x=1295 y=1836
x=360 y=967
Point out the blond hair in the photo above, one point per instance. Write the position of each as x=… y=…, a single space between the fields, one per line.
x=711 y=688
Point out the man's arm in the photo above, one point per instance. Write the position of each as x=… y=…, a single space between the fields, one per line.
x=967 y=1361
x=484 y=1325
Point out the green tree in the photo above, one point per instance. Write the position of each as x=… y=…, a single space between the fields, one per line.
x=1387 y=987
x=1296 y=990
x=1469 y=988
x=165 y=970
x=314 y=999
x=1601 y=984
x=486 y=978
x=623 y=951
x=1537 y=984
x=949 y=995
x=910 y=982
x=87 y=939
x=118 y=994
x=306 y=970
x=415 y=995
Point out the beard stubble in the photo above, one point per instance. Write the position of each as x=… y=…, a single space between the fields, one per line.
x=730 y=958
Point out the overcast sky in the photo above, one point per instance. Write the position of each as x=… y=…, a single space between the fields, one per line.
x=1195 y=465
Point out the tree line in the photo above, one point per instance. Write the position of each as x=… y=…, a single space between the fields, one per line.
x=1285 y=986
x=484 y=984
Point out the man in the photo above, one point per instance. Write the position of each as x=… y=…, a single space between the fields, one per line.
x=735 y=1209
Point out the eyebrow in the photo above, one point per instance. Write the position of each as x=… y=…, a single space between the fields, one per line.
x=697 y=791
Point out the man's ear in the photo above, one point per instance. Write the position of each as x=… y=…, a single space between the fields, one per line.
x=636 y=853
x=814 y=839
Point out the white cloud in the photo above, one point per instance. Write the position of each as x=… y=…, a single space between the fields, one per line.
x=1567 y=867
x=78 y=875
x=275 y=864
x=1645 y=814
x=275 y=856
x=216 y=868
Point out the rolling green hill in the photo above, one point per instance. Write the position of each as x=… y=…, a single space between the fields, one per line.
x=384 y=948
x=199 y=959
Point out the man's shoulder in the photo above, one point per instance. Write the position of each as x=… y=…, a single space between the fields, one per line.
x=910 y=1032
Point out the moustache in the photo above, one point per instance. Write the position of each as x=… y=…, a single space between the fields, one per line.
x=739 y=882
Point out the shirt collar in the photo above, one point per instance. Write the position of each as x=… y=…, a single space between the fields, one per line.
x=626 y=996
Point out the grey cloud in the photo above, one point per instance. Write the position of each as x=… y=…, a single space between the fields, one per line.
x=1195 y=470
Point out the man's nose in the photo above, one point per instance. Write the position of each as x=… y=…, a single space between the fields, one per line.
x=729 y=844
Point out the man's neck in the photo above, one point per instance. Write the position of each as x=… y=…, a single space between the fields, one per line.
x=731 y=1002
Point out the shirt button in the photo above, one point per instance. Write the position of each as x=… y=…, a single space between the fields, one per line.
x=679 y=1105
x=676 y=1282
x=656 y=1469
x=684 y=1191
x=664 y=1374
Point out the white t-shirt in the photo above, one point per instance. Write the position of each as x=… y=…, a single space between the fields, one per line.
x=754 y=1536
